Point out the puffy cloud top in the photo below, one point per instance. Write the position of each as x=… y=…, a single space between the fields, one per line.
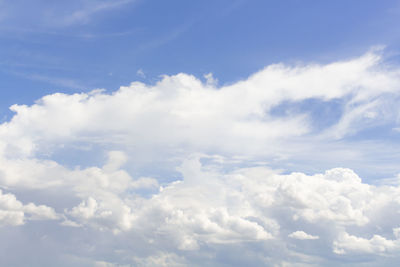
x=191 y=171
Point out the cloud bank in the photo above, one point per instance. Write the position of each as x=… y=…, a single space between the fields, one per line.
x=183 y=172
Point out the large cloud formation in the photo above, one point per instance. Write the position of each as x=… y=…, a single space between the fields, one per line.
x=198 y=174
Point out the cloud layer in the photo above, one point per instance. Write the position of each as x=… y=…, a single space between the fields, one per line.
x=184 y=172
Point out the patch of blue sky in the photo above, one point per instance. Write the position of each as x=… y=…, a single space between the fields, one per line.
x=322 y=113
x=232 y=39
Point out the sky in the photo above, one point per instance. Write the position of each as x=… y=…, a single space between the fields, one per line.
x=199 y=133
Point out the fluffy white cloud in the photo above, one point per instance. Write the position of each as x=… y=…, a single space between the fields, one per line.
x=13 y=212
x=191 y=176
x=376 y=244
x=302 y=235
x=180 y=112
x=247 y=207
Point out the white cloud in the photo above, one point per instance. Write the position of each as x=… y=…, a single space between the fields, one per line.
x=179 y=186
x=180 y=113
x=302 y=235
x=140 y=73
x=85 y=210
x=375 y=245
x=212 y=208
x=210 y=80
x=13 y=212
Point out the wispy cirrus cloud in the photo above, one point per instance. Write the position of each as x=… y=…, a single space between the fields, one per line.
x=89 y=9
x=48 y=15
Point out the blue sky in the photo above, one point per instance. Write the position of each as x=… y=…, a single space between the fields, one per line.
x=193 y=133
x=45 y=49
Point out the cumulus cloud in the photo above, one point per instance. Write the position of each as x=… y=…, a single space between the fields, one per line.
x=251 y=117
x=13 y=212
x=247 y=207
x=375 y=245
x=302 y=235
x=184 y=172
